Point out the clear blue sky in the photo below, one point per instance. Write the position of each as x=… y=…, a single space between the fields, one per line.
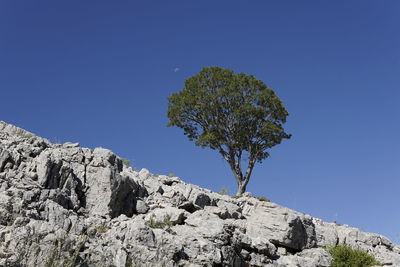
x=99 y=72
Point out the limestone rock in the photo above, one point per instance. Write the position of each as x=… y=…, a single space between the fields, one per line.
x=279 y=225
x=171 y=214
x=64 y=200
x=314 y=257
x=141 y=207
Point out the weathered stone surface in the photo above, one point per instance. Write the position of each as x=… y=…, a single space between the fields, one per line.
x=141 y=206
x=83 y=202
x=314 y=257
x=171 y=214
x=279 y=225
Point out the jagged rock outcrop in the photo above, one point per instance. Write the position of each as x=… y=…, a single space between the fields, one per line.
x=64 y=203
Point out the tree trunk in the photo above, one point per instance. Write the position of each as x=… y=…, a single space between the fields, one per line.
x=242 y=179
x=241 y=188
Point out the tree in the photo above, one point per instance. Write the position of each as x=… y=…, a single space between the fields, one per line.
x=235 y=114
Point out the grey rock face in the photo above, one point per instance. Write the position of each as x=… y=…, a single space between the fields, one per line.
x=282 y=227
x=62 y=202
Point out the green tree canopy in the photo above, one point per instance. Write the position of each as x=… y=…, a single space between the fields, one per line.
x=235 y=114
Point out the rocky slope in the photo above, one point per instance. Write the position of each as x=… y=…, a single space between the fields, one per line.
x=64 y=203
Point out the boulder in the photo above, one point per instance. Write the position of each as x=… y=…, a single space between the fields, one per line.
x=170 y=215
x=279 y=225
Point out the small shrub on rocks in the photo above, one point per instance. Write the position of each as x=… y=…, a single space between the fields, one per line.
x=129 y=262
x=57 y=259
x=101 y=229
x=166 y=223
x=127 y=162
x=264 y=199
x=345 y=256
x=223 y=191
x=26 y=135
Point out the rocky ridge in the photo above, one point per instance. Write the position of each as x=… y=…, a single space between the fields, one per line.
x=64 y=203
